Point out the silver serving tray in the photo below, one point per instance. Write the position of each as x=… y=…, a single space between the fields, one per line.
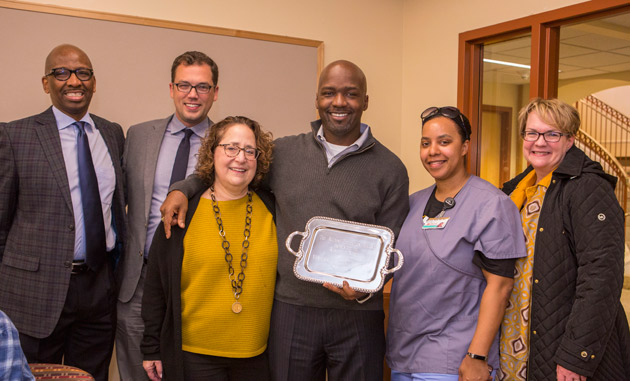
x=333 y=250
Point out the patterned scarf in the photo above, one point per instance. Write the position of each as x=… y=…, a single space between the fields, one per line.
x=514 y=344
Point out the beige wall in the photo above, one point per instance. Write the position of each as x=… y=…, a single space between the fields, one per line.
x=368 y=32
x=408 y=48
x=616 y=97
x=573 y=89
x=430 y=40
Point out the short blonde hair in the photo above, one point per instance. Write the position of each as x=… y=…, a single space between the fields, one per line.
x=554 y=112
x=264 y=144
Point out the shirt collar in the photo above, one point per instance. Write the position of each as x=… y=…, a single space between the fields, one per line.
x=364 y=128
x=528 y=186
x=64 y=121
x=176 y=125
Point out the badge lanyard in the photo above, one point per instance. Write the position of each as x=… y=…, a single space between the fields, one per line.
x=439 y=221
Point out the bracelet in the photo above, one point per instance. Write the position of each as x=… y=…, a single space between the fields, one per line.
x=477 y=357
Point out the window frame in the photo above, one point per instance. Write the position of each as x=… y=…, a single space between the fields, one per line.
x=545 y=31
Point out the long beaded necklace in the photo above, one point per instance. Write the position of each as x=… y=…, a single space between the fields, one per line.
x=237 y=281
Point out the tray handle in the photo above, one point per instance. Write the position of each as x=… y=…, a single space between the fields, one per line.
x=290 y=239
x=401 y=260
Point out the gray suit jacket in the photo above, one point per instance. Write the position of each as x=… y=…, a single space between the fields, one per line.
x=37 y=229
x=142 y=149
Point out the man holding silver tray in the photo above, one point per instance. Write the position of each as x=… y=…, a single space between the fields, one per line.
x=337 y=170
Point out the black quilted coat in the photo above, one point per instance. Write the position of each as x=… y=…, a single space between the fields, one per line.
x=577 y=320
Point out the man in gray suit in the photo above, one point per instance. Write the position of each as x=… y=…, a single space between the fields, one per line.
x=158 y=153
x=62 y=221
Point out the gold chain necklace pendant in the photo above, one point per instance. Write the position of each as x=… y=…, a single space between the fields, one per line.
x=237 y=307
x=236 y=280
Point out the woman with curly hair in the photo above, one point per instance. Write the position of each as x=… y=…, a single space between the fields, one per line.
x=209 y=288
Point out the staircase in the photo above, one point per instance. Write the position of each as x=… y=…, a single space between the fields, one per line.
x=605 y=136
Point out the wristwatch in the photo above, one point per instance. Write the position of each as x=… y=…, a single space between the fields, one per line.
x=477 y=357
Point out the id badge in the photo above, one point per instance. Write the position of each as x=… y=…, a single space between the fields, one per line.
x=434 y=223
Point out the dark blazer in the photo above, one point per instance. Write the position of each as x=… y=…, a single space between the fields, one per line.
x=37 y=231
x=161 y=300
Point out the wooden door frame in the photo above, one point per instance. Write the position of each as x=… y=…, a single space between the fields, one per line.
x=545 y=31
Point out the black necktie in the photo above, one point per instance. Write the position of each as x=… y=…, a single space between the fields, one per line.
x=95 y=246
x=181 y=159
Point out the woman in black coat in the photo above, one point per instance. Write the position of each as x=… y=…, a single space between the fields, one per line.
x=564 y=320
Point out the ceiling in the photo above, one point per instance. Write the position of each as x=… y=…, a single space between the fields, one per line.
x=586 y=49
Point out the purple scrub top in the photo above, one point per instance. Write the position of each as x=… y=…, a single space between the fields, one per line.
x=436 y=295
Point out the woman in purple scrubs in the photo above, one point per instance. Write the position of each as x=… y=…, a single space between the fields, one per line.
x=460 y=241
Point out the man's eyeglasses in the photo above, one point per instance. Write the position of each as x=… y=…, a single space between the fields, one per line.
x=63 y=74
x=549 y=136
x=232 y=150
x=185 y=87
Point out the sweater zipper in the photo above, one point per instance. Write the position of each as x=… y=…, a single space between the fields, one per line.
x=360 y=150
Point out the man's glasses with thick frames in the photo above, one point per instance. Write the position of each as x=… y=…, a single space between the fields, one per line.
x=63 y=74
x=232 y=150
x=201 y=88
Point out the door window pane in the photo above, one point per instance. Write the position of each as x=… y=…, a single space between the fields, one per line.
x=505 y=89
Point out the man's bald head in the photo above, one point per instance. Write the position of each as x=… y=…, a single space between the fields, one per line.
x=64 y=50
x=349 y=67
x=341 y=99
x=70 y=95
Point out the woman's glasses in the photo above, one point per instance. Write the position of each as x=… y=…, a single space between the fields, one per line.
x=232 y=150
x=549 y=136
x=450 y=112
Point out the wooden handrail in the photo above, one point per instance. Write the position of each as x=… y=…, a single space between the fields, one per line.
x=609 y=111
x=607 y=126
x=609 y=163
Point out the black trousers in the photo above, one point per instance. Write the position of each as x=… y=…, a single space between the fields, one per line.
x=84 y=334
x=306 y=343
x=200 y=367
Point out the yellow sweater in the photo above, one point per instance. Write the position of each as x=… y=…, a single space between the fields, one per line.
x=208 y=324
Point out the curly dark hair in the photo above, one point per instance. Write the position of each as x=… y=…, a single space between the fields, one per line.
x=264 y=144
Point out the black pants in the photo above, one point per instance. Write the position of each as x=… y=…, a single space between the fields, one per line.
x=213 y=368
x=308 y=343
x=84 y=334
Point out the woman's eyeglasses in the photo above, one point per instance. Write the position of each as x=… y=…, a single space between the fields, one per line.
x=450 y=112
x=549 y=136
x=232 y=150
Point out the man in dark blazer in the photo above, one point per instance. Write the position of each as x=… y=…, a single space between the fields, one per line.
x=150 y=161
x=57 y=254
